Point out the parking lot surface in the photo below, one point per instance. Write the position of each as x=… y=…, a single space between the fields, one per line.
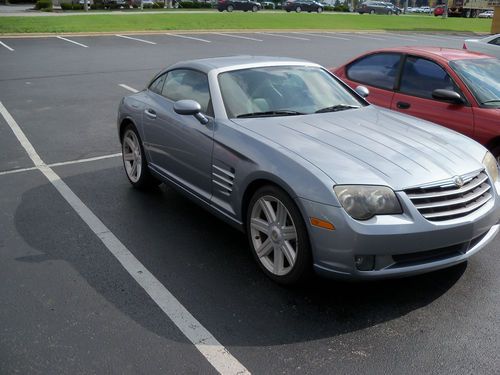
x=94 y=276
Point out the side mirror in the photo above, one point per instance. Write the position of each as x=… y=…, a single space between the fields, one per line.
x=362 y=91
x=449 y=96
x=190 y=107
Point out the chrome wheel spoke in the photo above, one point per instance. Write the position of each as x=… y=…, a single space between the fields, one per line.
x=278 y=263
x=281 y=214
x=268 y=210
x=130 y=143
x=133 y=172
x=128 y=156
x=260 y=225
x=288 y=251
x=288 y=233
x=265 y=249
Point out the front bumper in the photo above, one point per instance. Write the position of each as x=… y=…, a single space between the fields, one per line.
x=402 y=245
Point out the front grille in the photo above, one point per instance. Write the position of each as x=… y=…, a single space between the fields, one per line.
x=447 y=201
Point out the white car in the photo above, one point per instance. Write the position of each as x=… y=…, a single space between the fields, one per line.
x=487 y=14
x=489 y=45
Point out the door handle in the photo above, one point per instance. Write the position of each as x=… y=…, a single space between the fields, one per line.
x=403 y=105
x=150 y=113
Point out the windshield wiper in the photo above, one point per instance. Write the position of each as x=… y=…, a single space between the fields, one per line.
x=280 y=112
x=336 y=108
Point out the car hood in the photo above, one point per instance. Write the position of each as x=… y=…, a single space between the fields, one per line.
x=373 y=146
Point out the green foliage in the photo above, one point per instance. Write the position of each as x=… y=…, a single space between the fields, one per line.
x=43 y=4
x=341 y=8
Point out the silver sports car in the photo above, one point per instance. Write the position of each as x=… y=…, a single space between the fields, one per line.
x=316 y=177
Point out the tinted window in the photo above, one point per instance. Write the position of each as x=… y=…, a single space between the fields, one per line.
x=495 y=42
x=157 y=84
x=188 y=84
x=421 y=77
x=377 y=70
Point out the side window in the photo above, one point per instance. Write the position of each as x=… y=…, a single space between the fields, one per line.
x=379 y=70
x=157 y=84
x=495 y=42
x=188 y=84
x=421 y=77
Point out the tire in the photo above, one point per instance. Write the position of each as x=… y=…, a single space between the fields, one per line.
x=131 y=156
x=254 y=8
x=372 y=11
x=319 y=10
x=221 y=10
x=298 y=9
x=389 y=13
x=230 y=8
x=288 y=10
x=270 y=213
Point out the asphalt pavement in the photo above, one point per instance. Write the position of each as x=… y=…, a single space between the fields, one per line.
x=69 y=305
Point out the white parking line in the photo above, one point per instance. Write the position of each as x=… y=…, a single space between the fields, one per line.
x=69 y=162
x=238 y=36
x=189 y=37
x=457 y=38
x=282 y=36
x=363 y=36
x=137 y=39
x=216 y=354
x=322 y=36
x=128 y=88
x=400 y=36
x=72 y=41
x=6 y=46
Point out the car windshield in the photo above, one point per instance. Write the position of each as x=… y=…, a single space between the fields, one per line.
x=482 y=77
x=283 y=91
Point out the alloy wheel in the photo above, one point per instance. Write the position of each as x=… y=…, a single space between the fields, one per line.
x=274 y=235
x=132 y=158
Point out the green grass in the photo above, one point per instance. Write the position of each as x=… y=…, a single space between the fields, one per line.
x=244 y=21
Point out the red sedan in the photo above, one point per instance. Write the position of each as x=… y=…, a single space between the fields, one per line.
x=451 y=87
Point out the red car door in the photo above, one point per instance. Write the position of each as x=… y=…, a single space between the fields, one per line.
x=413 y=96
x=377 y=72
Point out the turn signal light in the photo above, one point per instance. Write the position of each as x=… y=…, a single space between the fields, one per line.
x=321 y=223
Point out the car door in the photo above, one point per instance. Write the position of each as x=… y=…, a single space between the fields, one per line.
x=180 y=147
x=378 y=73
x=419 y=78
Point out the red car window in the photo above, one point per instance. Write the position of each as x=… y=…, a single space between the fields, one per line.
x=378 y=70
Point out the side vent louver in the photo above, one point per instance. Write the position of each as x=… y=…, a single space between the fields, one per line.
x=223 y=179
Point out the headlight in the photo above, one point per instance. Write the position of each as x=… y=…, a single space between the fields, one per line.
x=491 y=166
x=363 y=202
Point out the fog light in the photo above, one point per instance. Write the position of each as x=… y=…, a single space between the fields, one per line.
x=364 y=262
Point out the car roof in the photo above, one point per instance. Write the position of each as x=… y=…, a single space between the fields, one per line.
x=447 y=54
x=222 y=63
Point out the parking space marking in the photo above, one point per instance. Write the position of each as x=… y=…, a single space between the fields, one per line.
x=364 y=36
x=282 y=36
x=216 y=354
x=72 y=41
x=400 y=36
x=457 y=38
x=137 y=39
x=69 y=162
x=128 y=88
x=238 y=36
x=6 y=46
x=189 y=37
x=322 y=36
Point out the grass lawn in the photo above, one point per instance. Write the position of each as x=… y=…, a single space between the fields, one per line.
x=239 y=20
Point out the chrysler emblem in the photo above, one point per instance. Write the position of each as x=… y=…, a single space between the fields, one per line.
x=458 y=181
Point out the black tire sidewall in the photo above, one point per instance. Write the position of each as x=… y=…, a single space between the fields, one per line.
x=303 y=264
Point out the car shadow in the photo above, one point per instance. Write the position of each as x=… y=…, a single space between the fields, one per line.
x=207 y=265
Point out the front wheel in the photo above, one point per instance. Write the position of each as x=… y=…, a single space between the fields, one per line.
x=320 y=10
x=278 y=236
x=230 y=8
x=298 y=9
x=372 y=11
x=254 y=8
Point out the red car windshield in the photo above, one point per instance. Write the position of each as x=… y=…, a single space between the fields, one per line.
x=482 y=77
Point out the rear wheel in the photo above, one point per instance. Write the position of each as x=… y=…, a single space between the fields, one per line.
x=372 y=11
x=278 y=236
x=254 y=8
x=230 y=8
x=389 y=12
x=319 y=10
x=134 y=159
x=298 y=9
